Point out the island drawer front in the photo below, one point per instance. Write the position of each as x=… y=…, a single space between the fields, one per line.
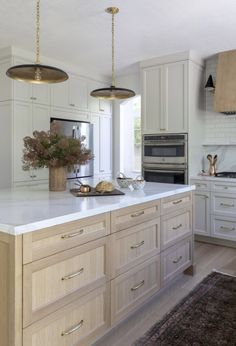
x=201 y=184
x=223 y=227
x=175 y=226
x=48 y=241
x=175 y=202
x=78 y=323
x=223 y=204
x=134 y=245
x=51 y=282
x=175 y=260
x=227 y=187
x=130 y=216
x=131 y=289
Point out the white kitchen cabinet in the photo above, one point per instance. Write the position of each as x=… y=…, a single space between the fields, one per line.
x=27 y=117
x=98 y=105
x=202 y=213
x=72 y=93
x=165 y=98
x=102 y=144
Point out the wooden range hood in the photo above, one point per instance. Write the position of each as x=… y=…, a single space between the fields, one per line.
x=225 y=90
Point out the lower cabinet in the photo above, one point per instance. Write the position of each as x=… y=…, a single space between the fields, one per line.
x=202 y=212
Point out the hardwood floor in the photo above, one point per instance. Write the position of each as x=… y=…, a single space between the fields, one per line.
x=207 y=258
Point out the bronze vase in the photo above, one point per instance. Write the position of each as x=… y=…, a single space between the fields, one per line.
x=57 y=178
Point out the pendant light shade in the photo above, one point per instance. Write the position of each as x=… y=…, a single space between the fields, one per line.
x=37 y=73
x=113 y=92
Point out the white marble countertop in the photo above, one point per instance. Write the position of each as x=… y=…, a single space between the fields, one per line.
x=212 y=178
x=27 y=209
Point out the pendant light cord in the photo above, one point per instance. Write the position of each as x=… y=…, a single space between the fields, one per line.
x=37 y=61
x=113 y=49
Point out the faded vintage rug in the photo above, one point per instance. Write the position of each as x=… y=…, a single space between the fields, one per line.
x=206 y=317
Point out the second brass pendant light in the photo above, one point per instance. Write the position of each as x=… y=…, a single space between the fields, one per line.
x=112 y=92
x=37 y=73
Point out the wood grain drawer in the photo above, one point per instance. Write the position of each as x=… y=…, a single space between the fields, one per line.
x=175 y=202
x=201 y=184
x=175 y=260
x=223 y=227
x=134 y=245
x=52 y=282
x=48 y=241
x=130 y=216
x=175 y=227
x=223 y=187
x=131 y=289
x=223 y=204
x=87 y=316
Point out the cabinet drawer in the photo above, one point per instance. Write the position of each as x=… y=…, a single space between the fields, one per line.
x=223 y=187
x=48 y=241
x=201 y=184
x=131 y=289
x=223 y=204
x=130 y=216
x=175 y=260
x=134 y=245
x=222 y=227
x=80 y=322
x=173 y=203
x=175 y=227
x=51 y=282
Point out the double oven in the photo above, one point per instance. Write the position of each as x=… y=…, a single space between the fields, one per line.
x=165 y=158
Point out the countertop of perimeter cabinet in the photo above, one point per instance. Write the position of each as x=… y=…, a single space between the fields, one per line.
x=213 y=178
x=26 y=209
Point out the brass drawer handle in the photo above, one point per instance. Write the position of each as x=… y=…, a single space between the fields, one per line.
x=226 y=187
x=138 y=286
x=101 y=110
x=72 y=330
x=177 y=202
x=162 y=129
x=71 y=276
x=72 y=235
x=139 y=213
x=177 y=259
x=137 y=245
x=72 y=104
x=227 y=205
x=177 y=227
x=227 y=229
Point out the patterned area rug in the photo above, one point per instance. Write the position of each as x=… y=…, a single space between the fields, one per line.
x=206 y=317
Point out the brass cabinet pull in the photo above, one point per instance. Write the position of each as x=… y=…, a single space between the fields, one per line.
x=71 y=276
x=101 y=110
x=72 y=235
x=139 y=213
x=139 y=285
x=72 y=330
x=226 y=187
x=205 y=197
x=137 y=245
x=227 y=205
x=33 y=176
x=177 y=259
x=227 y=229
x=72 y=104
x=177 y=202
x=163 y=129
x=177 y=227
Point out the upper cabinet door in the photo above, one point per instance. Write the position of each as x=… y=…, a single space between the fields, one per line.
x=152 y=106
x=22 y=91
x=175 y=97
x=41 y=93
x=60 y=94
x=78 y=92
x=98 y=105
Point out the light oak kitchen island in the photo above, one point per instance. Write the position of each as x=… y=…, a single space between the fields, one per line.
x=72 y=268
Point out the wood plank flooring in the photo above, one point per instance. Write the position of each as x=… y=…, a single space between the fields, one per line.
x=207 y=258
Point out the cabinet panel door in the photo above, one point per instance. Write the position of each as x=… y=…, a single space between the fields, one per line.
x=93 y=102
x=22 y=126
x=78 y=93
x=175 y=97
x=59 y=94
x=41 y=93
x=105 y=106
x=105 y=144
x=21 y=91
x=152 y=100
x=202 y=213
x=95 y=119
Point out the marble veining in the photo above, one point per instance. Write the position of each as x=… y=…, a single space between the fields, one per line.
x=27 y=209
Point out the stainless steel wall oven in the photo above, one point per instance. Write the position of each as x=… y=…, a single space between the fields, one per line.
x=165 y=158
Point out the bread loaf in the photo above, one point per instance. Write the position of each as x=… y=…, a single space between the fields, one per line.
x=104 y=186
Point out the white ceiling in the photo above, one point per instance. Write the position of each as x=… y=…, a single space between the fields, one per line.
x=79 y=31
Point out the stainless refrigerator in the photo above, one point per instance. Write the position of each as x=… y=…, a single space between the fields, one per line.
x=76 y=129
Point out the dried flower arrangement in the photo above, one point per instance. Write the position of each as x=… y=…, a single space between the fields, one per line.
x=53 y=149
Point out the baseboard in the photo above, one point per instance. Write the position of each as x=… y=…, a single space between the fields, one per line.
x=215 y=241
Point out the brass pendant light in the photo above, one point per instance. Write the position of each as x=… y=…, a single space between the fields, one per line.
x=113 y=92
x=37 y=73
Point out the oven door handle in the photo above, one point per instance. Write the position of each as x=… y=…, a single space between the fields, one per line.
x=162 y=171
x=164 y=144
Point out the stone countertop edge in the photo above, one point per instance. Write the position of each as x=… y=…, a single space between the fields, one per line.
x=212 y=178
x=19 y=229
